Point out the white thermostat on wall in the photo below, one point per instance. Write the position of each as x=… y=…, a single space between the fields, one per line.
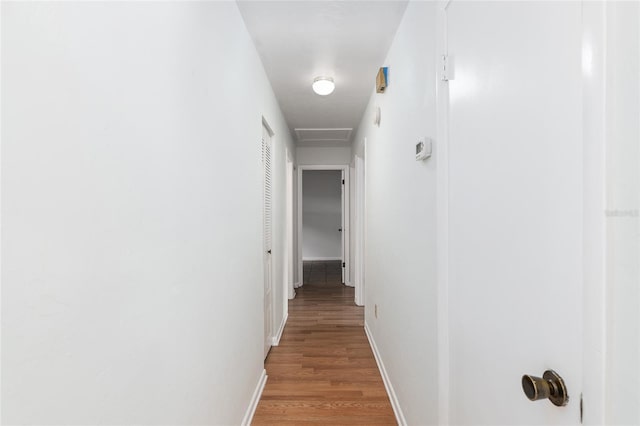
x=423 y=149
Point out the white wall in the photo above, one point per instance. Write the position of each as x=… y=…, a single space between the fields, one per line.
x=405 y=329
x=400 y=258
x=131 y=213
x=321 y=214
x=323 y=155
x=623 y=213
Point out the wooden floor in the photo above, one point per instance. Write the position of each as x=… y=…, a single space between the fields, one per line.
x=323 y=372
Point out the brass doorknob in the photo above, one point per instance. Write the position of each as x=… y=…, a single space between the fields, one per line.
x=550 y=386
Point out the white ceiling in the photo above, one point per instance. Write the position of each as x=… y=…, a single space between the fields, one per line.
x=300 y=40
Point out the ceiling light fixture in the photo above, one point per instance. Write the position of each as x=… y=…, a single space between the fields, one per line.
x=323 y=86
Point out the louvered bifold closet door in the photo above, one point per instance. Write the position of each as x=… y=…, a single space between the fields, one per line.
x=267 y=163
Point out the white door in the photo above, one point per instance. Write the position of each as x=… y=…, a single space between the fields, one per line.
x=515 y=203
x=268 y=287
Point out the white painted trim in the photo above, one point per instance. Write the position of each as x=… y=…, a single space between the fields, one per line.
x=594 y=113
x=299 y=233
x=343 y=224
x=359 y=234
x=289 y=263
x=395 y=404
x=297 y=285
x=442 y=232
x=1 y=186
x=363 y=275
x=320 y=259
x=265 y=123
x=276 y=338
x=345 y=229
x=322 y=167
x=255 y=398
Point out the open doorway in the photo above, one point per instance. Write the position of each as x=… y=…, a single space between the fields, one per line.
x=323 y=224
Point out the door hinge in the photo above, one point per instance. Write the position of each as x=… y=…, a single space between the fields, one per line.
x=446 y=68
x=343 y=181
x=344 y=264
x=581 y=409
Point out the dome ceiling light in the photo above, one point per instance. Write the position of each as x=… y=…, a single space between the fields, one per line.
x=323 y=86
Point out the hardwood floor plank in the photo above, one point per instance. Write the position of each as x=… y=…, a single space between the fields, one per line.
x=324 y=371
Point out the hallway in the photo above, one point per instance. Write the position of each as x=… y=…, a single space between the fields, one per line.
x=323 y=371
x=320 y=212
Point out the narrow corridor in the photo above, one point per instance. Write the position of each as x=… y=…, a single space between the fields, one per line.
x=182 y=182
x=323 y=371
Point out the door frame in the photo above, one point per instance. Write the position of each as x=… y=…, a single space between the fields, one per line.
x=289 y=265
x=360 y=172
x=442 y=217
x=345 y=217
x=595 y=123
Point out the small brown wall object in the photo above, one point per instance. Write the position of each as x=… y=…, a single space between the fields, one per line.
x=381 y=80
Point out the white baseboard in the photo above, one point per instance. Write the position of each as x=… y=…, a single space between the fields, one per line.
x=349 y=284
x=318 y=259
x=257 y=393
x=297 y=285
x=276 y=338
x=395 y=404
